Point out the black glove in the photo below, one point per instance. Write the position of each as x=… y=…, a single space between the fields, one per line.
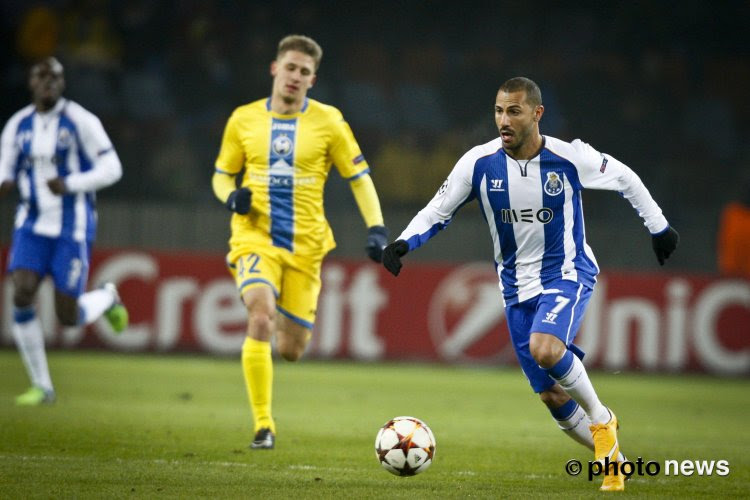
x=664 y=244
x=239 y=201
x=377 y=239
x=392 y=256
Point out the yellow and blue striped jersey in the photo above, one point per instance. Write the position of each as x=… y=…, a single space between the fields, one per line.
x=286 y=160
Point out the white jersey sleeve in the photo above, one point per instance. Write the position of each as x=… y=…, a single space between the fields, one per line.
x=601 y=171
x=9 y=146
x=97 y=146
x=455 y=192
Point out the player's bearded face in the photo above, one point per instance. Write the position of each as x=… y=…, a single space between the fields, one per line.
x=515 y=119
x=294 y=75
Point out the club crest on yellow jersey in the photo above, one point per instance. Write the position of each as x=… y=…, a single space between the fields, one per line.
x=282 y=145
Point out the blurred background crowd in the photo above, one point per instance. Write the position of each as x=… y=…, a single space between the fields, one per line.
x=662 y=86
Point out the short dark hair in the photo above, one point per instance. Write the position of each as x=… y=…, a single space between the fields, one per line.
x=301 y=43
x=533 y=94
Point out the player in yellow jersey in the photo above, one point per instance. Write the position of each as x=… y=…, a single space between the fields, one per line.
x=274 y=161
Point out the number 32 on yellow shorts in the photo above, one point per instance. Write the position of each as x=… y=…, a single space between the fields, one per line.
x=294 y=279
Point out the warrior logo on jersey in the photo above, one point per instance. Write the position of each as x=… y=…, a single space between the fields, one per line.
x=282 y=145
x=554 y=184
x=496 y=185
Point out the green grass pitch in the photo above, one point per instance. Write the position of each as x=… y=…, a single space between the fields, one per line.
x=135 y=426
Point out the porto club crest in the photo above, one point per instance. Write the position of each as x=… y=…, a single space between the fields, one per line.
x=554 y=184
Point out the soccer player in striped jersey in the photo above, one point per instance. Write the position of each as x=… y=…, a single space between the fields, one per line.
x=528 y=187
x=274 y=160
x=57 y=155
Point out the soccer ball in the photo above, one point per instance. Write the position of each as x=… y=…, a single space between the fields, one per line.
x=405 y=446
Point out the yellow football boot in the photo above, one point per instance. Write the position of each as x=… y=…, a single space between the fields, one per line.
x=606 y=450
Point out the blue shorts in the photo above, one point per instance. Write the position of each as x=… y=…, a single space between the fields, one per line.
x=66 y=260
x=558 y=311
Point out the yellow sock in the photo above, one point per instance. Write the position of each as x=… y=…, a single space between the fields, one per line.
x=257 y=366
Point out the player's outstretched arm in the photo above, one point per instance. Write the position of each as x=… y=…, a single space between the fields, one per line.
x=392 y=256
x=664 y=243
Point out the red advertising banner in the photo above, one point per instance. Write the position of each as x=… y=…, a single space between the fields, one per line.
x=433 y=312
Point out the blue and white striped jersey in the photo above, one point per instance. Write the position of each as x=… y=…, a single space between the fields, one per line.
x=533 y=209
x=67 y=141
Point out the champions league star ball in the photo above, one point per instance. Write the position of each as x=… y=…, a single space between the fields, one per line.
x=405 y=446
